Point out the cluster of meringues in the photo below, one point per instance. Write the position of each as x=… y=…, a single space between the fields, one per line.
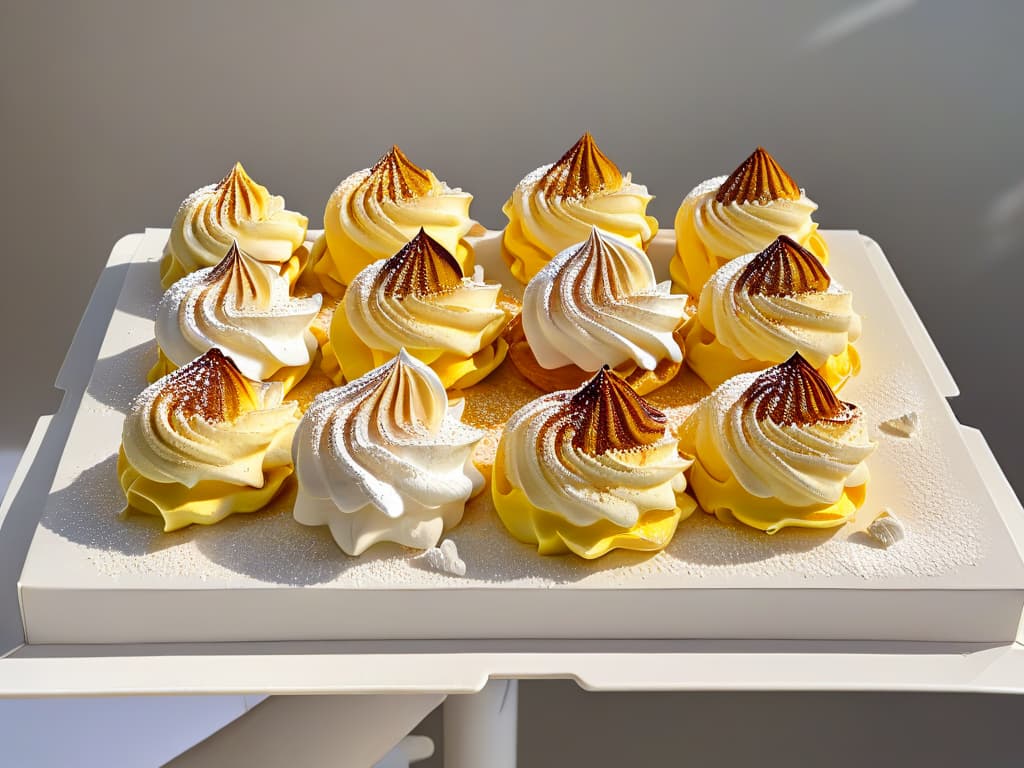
x=587 y=468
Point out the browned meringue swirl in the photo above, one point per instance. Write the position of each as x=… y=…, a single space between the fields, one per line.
x=759 y=179
x=795 y=393
x=607 y=415
x=784 y=268
x=210 y=386
x=396 y=178
x=581 y=172
x=422 y=268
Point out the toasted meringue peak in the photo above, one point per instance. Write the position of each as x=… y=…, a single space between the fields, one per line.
x=416 y=402
x=581 y=172
x=396 y=178
x=210 y=386
x=422 y=268
x=794 y=393
x=607 y=415
x=759 y=179
x=235 y=269
x=784 y=268
x=238 y=196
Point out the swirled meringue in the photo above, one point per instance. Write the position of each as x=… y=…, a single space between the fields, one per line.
x=374 y=212
x=204 y=442
x=729 y=216
x=590 y=470
x=419 y=301
x=557 y=205
x=597 y=303
x=778 y=448
x=760 y=308
x=385 y=458
x=243 y=307
x=234 y=209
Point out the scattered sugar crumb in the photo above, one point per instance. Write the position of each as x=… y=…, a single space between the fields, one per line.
x=445 y=558
x=886 y=528
x=902 y=426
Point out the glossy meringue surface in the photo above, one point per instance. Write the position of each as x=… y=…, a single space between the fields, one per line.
x=778 y=448
x=558 y=205
x=236 y=209
x=760 y=308
x=418 y=300
x=244 y=308
x=204 y=442
x=590 y=470
x=385 y=458
x=374 y=212
x=729 y=216
x=597 y=303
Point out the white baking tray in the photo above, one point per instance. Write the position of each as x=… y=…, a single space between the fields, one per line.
x=90 y=577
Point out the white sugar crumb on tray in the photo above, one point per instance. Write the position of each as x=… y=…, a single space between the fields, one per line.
x=445 y=559
x=887 y=529
x=902 y=426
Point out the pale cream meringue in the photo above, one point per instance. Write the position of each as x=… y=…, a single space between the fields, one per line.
x=234 y=209
x=243 y=307
x=386 y=458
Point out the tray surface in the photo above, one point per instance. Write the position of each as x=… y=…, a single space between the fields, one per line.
x=83 y=551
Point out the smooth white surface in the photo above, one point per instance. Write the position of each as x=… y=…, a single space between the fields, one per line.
x=480 y=729
x=127 y=731
x=958 y=577
x=352 y=731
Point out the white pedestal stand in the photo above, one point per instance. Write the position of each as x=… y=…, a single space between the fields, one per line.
x=480 y=728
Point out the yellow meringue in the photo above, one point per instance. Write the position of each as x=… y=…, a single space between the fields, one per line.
x=418 y=301
x=236 y=209
x=376 y=211
x=729 y=216
x=588 y=471
x=558 y=205
x=778 y=448
x=205 y=442
x=760 y=308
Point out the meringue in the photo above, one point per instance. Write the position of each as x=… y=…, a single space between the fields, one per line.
x=728 y=216
x=778 y=448
x=557 y=205
x=234 y=209
x=376 y=211
x=597 y=303
x=590 y=470
x=243 y=307
x=419 y=301
x=204 y=442
x=386 y=458
x=760 y=308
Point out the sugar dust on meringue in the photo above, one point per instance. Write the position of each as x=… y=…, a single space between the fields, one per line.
x=236 y=209
x=777 y=448
x=557 y=205
x=386 y=458
x=204 y=442
x=376 y=211
x=598 y=303
x=243 y=307
x=590 y=470
x=419 y=301
x=729 y=216
x=760 y=308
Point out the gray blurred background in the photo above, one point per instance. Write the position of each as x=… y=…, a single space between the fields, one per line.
x=902 y=119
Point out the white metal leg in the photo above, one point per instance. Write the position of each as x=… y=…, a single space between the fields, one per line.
x=480 y=728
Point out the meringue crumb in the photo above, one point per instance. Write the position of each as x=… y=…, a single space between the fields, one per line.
x=445 y=559
x=886 y=528
x=902 y=426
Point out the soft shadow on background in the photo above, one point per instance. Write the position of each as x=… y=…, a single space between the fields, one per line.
x=900 y=118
